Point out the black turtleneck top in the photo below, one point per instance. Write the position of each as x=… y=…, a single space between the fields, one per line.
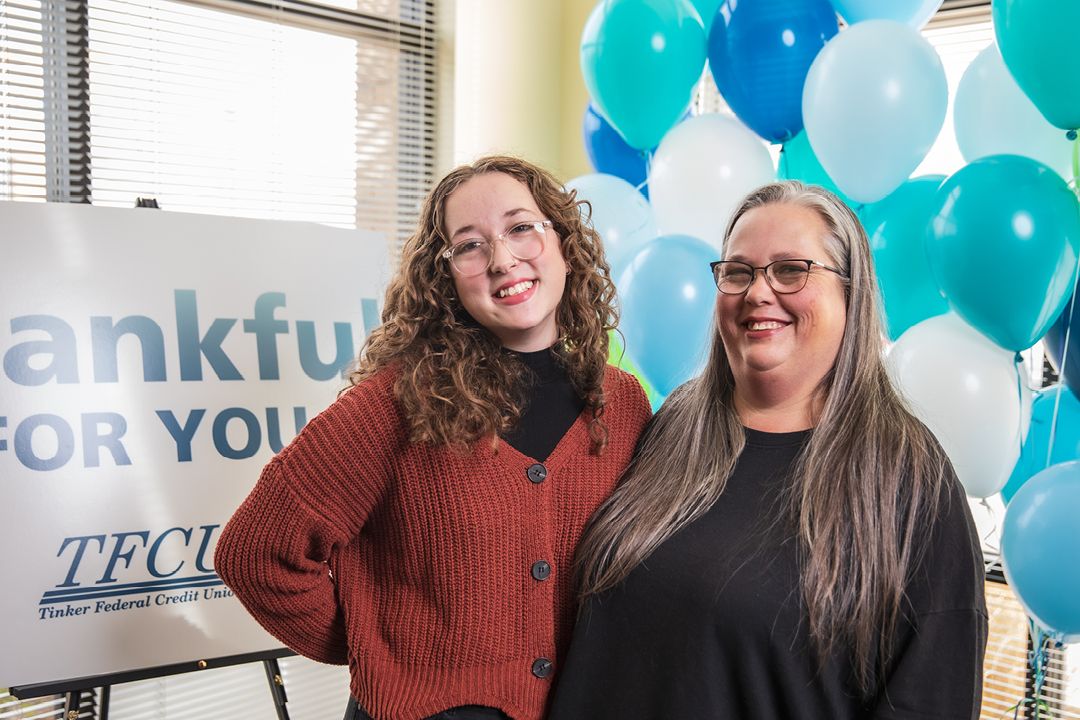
x=552 y=406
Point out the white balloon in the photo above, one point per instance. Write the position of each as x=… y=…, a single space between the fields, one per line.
x=620 y=214
x=873 y=104
x=703 y=167
x=993 y=116
x=971 y=395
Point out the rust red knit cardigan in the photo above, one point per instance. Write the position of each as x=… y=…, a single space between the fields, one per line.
x=422 y=567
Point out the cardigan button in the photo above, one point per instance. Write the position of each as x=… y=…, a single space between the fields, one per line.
x=542 y=667
x=541 y=570
x=536 y=473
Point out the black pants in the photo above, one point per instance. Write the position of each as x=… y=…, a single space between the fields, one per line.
x=465 y=712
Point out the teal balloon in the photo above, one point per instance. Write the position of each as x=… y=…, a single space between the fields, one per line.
x=798 y=162
x=1037 y=39
x=667 y=296
x=641 y=60
x=1003 y=244
x=1033 y=457
x=1039 y=547
x=707 y=10
x=896 y=227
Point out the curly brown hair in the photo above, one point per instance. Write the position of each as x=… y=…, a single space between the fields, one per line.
x=457 y=384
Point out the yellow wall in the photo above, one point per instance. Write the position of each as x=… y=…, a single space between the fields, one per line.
x=516 y=84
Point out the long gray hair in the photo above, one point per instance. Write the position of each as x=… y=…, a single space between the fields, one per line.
x=868 y=482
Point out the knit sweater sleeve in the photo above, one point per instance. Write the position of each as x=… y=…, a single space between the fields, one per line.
x=311 y=499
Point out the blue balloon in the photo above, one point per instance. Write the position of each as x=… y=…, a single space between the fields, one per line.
x=760 y=52
x=1040 y=545
x=1003 y=245
x=1067 y=324
x=610 y=154
x=667 y=298
x=641 y=60
x=1066 y=437
x=896 y=227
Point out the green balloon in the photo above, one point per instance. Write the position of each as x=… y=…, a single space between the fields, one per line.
x=897 y=226
x=1003 y=244
x=798 y=162
x=1038 y=42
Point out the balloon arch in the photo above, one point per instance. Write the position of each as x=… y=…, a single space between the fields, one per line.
x=973 y=267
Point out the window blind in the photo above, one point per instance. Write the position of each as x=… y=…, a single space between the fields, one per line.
x=284 y=109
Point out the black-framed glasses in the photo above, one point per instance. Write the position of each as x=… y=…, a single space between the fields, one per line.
x=524 y=240
x=734 y=277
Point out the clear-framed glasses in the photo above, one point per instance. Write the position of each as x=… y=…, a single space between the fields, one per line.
x=786 y=276
x=524 y=240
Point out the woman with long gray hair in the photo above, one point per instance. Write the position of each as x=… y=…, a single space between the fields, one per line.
x=789 y=540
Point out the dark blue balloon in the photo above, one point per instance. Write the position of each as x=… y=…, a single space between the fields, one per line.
x=760 y=53
x=610 y=154
x=1055 y=345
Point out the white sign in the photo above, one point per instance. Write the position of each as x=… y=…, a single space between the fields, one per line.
x=152 y=363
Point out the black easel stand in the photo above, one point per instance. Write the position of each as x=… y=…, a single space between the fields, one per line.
x=277 y=687
x=73 y=689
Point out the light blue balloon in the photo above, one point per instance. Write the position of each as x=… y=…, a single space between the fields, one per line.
x=621 y=215
x=993 y=116
x=897 y=229
x=1003 y=245
x=1040 y=544
x=874 y=102
x=1066 y=437
x=641 y=60
x=667 y=298
x=911 y=12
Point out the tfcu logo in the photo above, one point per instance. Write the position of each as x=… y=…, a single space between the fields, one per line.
x=138 y=568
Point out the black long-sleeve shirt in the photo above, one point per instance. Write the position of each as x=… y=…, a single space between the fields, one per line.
x=712 y=624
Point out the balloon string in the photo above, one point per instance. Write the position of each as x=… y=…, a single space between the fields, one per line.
x=1040 y=658
x=993 y=531
x=1075 y=160
x=1064 y=359
x=1018 y=362
x=648 y=169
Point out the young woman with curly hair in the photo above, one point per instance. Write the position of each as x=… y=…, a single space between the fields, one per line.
x=422 y=528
